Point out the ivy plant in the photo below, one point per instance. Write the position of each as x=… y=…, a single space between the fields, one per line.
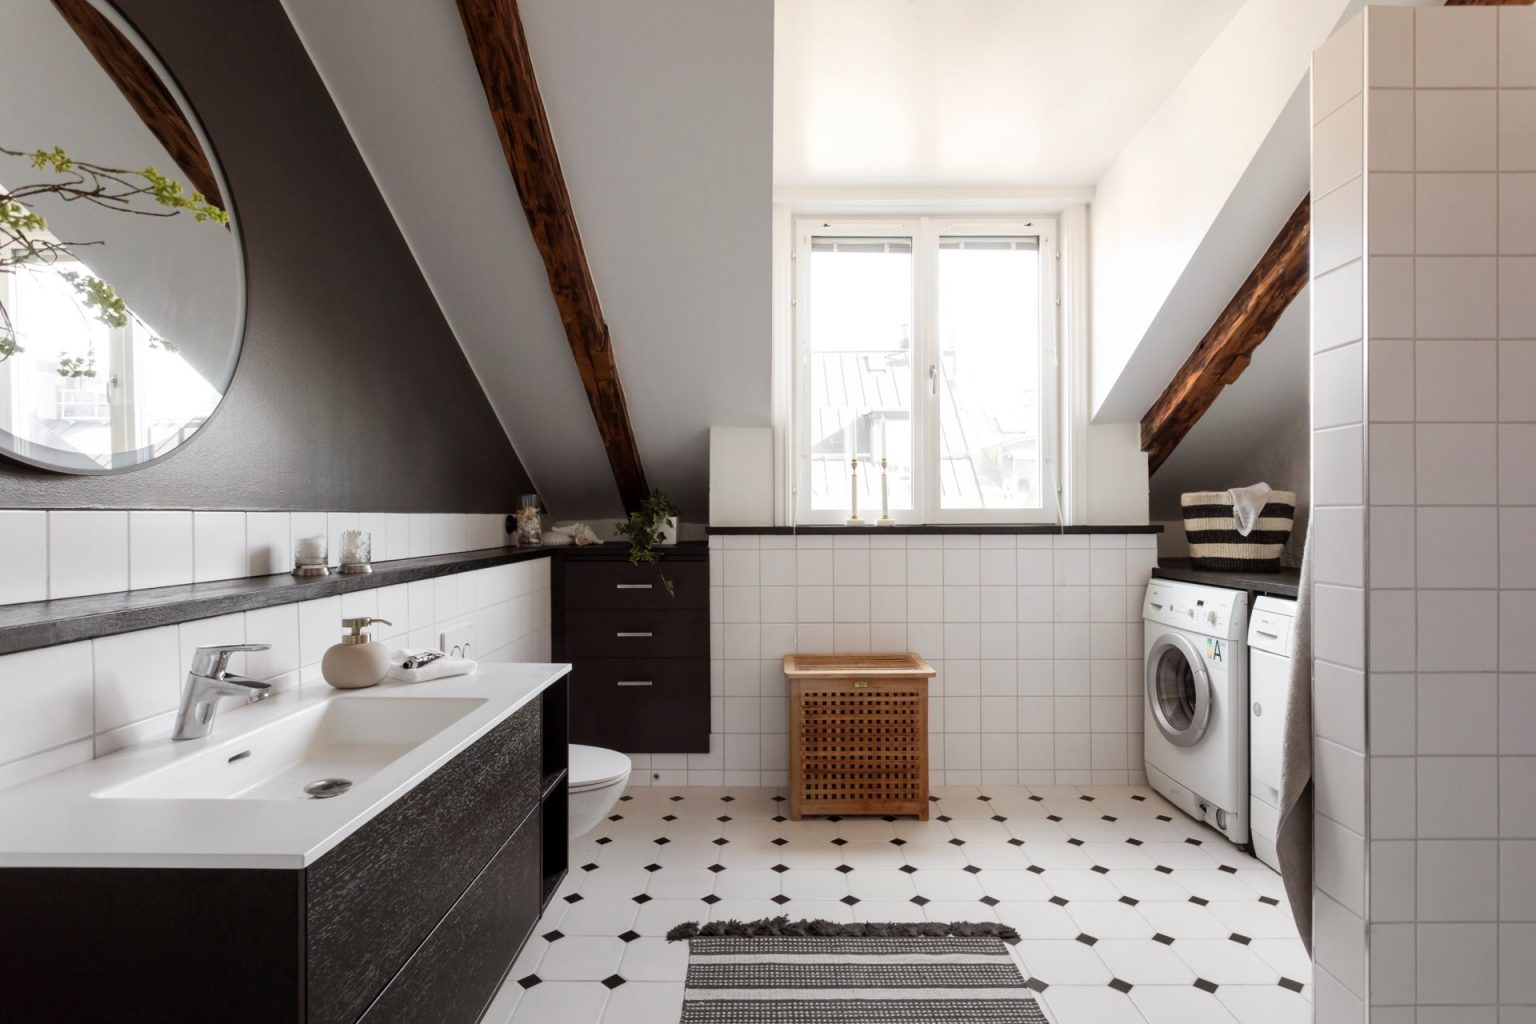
x=644 y=529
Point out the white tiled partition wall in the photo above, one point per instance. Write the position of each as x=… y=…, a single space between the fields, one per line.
x=1037 y=641
x=63 y=705
x=1424 y=416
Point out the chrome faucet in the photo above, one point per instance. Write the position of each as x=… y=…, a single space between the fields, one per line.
x=207 y=681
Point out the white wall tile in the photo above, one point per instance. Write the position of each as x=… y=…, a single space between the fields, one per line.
x=87 y=553
x=1456 y=214
x=1517 y=41
x=24 y=553
x=319 y=627
x=1390 y=131
x=1455 y=464
x=1337 y=473
x=1393 y=797
x=137 y=676
x=1517 y=630
x=1455 y=130
x=1337 y=299
x=1338 y=390
x=1338 y=69
x=1338 y=148
x=1517 y=306
x=1338 y=220
x=1458 y=797
x=1457 y=380
x=1390 y=216
x=1517 y=130
x=46 y=700
x=159 y=549
x=1517 y=464
x=1391 y=298
x=1458 y=630
x=1458 y=880
x=268 y=543
x=1456 y=49
x=1457 y=963
x=1460 y=713
x=278 y=626
x=1458 y=547
x=1517 y=366
x=1389 y=47
x=1456 y=296
x=218 y=546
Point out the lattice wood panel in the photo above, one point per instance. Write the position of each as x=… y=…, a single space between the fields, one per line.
x=858 y=745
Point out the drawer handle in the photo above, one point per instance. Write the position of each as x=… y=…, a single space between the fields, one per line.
x=631 y=586
x=622 y=634
x=634 y=682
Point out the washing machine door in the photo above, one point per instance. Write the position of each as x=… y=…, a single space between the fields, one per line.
x=1178 y=690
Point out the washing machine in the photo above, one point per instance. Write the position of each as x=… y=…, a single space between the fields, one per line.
x=1196 y=707
x=1269 y=687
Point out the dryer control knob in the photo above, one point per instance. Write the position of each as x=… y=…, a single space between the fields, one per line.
x=1211 y=617
x=1258 y=710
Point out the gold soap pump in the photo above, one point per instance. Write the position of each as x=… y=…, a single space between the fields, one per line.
x=358 y=661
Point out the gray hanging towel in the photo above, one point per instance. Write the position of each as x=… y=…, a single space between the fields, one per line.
x=1293 y=837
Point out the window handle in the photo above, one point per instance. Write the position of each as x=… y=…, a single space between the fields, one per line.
x=933 y=380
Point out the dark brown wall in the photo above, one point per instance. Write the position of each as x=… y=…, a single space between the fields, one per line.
x=351 y=393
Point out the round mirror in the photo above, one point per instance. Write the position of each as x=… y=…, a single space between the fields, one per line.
x=122 y=279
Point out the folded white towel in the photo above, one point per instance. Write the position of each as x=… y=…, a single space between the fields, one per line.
x=1248 y=504
x=437 y=668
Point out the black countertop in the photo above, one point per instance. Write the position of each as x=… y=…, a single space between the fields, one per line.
x=929 y=528
x=1275 y=584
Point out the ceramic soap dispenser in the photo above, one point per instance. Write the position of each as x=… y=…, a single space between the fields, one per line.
x=357 y=661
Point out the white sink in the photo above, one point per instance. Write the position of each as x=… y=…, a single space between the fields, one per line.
x=344 y=738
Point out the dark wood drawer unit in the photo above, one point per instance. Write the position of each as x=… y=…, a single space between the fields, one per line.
x=375 y=898
x=639 y=703
x=614 y=584
x=640 y=656
x=416 y=916
x=643 y=633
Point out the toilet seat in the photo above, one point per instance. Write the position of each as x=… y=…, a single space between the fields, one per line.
x=596 y=767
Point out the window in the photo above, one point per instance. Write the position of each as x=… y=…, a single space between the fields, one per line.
x=928 y=343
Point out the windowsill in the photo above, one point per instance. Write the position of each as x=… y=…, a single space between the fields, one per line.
x=919 y=528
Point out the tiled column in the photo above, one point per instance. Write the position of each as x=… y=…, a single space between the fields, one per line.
x=1424 y=416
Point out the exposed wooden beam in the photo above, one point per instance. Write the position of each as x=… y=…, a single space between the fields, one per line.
x=500 y=50
x=144 y=91
x=1224 y=352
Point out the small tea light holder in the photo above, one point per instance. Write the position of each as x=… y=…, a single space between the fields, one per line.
x=309 y=557
x=356 y=552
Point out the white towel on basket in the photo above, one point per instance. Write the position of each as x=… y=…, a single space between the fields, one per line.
x=1248 y=505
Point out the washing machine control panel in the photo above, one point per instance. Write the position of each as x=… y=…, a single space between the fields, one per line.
x=1208 y=610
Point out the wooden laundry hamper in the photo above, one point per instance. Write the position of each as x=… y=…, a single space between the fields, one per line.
x=858 y=734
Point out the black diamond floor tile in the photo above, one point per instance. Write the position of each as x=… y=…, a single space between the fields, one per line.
x=722 y=841
x=1199 y=901
x=554 y=936
x=717 y=868
x=530 y=980
x=780 y=899
x=849 y=900
x=990 y=901
x=1269 y=900
x=653 y=867
x=1129 y=901
x=1036 y=984
x=613 y=981
x=1059 y=901
x=1239 y=938
x=589 y=867
x=843 y=869
x=1166 y=940
x=711 y=899
x=574 y=897
x=907 y=869
x=1228 y=868
x=780 y=868
x=629 y=936
x=781 y=841
x=971 y=869
x=1087 y=940
x=1205 y=986
x=1015 y=841
x=921 y=901
x=642 y=899
x=1294 y=986
x=1119 y=986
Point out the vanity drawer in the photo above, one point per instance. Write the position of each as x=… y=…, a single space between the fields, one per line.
x=374 y=898
x=641 y=705
x=613 y=584
x=456 y=972
x=641 y=633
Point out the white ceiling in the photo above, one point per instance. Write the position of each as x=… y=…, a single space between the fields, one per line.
x=958 y=92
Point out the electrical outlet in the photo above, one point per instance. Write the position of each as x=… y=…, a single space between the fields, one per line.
x=458 y=641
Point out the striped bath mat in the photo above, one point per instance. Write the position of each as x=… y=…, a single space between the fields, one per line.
x=817 y=972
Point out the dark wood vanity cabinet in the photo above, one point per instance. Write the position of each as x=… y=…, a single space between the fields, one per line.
x=639 y=654
x=416 y=916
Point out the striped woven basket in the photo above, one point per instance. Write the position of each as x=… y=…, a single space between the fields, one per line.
x=1214 y=543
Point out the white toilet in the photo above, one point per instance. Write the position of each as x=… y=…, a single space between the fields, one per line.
x=597 y=779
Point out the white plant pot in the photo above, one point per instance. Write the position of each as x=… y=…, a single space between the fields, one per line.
x=668 y=533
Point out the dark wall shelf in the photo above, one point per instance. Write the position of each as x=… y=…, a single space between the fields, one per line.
x=46 y=623
x=876 y=531
x=24 y=627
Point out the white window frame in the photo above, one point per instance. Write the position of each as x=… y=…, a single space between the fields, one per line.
x=925 y=232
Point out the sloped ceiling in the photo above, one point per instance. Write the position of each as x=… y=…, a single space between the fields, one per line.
x=662 y=112
x=968 y=92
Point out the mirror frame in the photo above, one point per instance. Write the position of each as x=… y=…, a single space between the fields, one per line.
x=10 y=447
